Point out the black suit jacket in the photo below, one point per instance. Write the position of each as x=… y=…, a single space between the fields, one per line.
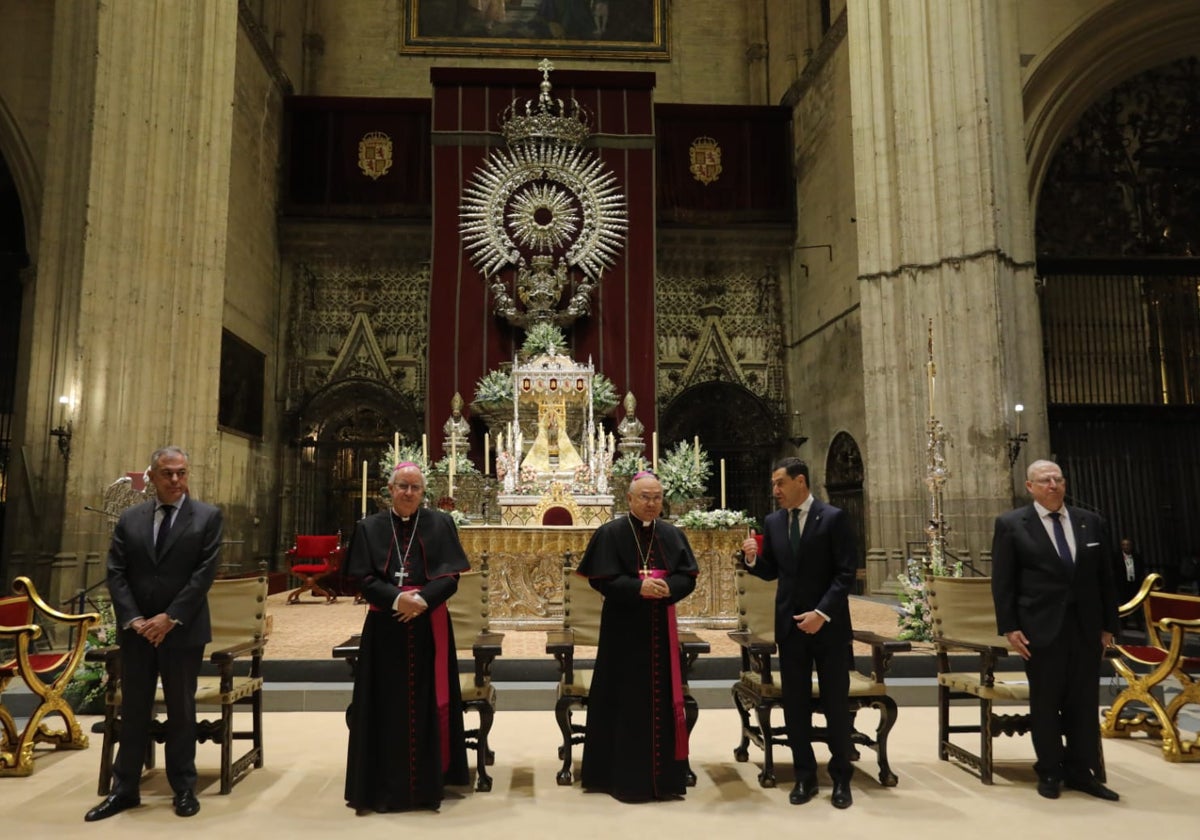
x=820 y=578
x=142 y=584
x=1032 y=587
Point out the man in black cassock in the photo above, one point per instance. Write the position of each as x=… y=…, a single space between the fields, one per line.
x=406 y=725
x=636 y=743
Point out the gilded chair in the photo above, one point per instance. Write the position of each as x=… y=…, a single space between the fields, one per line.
x=314 y=559
x=582 y=606
x=1171 y=622
x=238 y=610
x=45 y=674
x=963 y=618
x=469 y=617
x=759 y=689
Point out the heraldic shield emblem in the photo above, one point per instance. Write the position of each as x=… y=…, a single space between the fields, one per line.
x=375 y=154
x=705 y=156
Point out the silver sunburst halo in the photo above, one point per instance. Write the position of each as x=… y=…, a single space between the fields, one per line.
x=578 y=196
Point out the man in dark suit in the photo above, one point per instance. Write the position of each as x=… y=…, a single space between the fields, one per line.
x=809 y=547
x=1130 y=571
x=161 y=564
x=1057 y=606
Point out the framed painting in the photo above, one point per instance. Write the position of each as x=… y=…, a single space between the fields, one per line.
x=616 y=29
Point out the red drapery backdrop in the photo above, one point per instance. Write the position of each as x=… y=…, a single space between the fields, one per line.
x=466 y=340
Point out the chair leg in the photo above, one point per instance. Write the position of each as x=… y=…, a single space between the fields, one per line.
x=767 y=777
x=887 y=719
x=741 y=752
x=562 y=713
x=985 y=741
x=487 y=713
x=943 y=722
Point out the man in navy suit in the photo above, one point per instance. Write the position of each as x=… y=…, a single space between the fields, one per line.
x=161 y=564
x=809 y=547
x=1056 y=604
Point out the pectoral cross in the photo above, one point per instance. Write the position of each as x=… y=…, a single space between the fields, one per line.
x=399 y=576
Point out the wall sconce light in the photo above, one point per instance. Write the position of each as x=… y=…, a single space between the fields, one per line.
x=1015 y=442
x=63 y=430
x=796 y=434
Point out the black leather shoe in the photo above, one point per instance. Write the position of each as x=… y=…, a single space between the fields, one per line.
x=114 y=803
x=842 y=798
x=1048 y=786
x=1093 y=788
x=186 y=804
x=804 y=790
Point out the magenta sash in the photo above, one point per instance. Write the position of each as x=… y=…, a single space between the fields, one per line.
x=681 y=732
x=439 y=621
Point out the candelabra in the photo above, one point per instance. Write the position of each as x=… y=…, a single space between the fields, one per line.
x=936 y=474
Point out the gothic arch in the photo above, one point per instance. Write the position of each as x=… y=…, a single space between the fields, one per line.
x=1110 y=45
x=844 y=483
x=734 y=424
x=25 y=175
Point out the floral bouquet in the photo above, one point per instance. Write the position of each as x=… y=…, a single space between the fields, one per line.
x=709 y=520
x=682 y=473
x=915 y=621
x=85 y=691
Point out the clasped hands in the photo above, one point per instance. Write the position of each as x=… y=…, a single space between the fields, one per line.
x=153 y=630
x=655 y=588
x=409 y=605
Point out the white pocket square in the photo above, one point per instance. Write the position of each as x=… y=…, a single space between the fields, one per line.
x=1092 y=545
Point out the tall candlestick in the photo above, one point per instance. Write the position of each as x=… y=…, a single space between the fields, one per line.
x=425 y=448
x=396 y=446
x=451 y=491
x=364 y=489
x=722 y=484
x=654 y=452
x=696 y=447
x=487 y=452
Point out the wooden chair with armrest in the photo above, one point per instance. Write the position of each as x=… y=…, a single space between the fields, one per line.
x=238 y=611
x=759 y=689
x=469 y=613
x=45 y=674
x=582 y=606
x=1172 y=626
x=963 y=616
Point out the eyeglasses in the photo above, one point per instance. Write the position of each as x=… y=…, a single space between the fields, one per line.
x=408 y=488
x=1050 y=480
x=649 y=499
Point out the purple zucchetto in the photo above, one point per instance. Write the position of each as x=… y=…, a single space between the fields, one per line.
x=643 y=474
x=404 y=465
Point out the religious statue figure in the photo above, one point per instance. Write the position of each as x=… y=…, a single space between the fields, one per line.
x=456 y=431
x=552 y=449
x=630 y=428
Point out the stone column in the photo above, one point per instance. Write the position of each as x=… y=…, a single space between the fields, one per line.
x=128 y=310
x=944 y=233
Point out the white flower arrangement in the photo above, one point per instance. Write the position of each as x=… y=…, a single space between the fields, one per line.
x=629 y=465
x=543 y=339
x=407 y=452
x=460 y=519
x=915 y=622
x=710 y=520
x=682 y=473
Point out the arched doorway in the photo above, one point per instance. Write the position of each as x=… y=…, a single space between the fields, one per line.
x=342 y=426
x=735 y=425
x=13 y=259
x=844 y=487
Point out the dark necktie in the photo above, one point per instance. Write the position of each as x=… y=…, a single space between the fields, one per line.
x=1060 y=539
x=164 y=528
x=794 y=531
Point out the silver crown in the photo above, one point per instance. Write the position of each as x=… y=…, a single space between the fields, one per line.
x=546 y=118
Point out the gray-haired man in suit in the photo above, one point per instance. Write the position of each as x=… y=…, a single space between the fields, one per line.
x=1056 y=604
x=161 y=564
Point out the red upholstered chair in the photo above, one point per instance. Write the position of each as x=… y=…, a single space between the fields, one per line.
x=315 y=558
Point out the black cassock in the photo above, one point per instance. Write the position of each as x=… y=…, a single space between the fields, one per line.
x=636 y=744
x=406 y=742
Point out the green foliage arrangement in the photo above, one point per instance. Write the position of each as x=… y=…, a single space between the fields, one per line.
x=914 y=621
x=543 y=339
x=681 y=476
x=604 y=394
x=629 y=465
x=85 y=691
x=495 y=386
x=406 y=452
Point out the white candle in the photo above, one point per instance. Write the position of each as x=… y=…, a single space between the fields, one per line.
x=696 y=446
x=425 y=447
x=364 y=489
x=396 y=446
x=452 y=460
x=654 y=452
x=612 y=443
x=722 y=484
x=487 y=452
